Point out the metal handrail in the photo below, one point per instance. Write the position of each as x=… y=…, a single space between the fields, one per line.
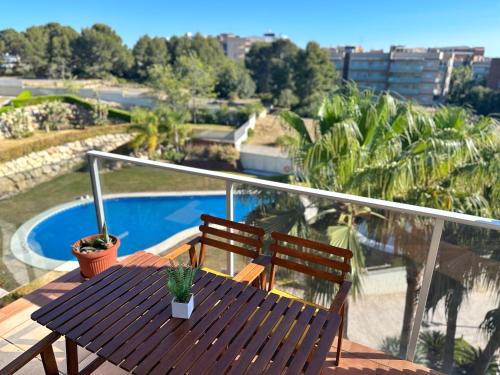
x=439 y=216
x=455 y=217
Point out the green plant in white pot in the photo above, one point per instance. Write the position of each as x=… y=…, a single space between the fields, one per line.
x=179 y=283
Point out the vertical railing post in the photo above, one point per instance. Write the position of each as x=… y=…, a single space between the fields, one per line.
x=426 y=284
x=96 y=191
x=230 y=216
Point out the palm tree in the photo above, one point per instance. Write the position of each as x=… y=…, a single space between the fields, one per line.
x=466 y=258
x=376 y=146
x=163 y=125
x=172 y=124
x=145 y=124
x=491 y=326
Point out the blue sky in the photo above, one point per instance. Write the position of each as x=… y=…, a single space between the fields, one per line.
x=372 y=23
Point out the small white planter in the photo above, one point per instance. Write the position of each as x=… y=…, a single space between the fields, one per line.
x=182 y=310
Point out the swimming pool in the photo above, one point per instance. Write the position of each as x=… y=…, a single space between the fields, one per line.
x=139 y=221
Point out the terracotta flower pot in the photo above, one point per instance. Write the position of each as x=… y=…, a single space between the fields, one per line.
x=96 y=262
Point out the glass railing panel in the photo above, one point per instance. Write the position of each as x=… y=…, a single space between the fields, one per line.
x=156 y=210
x=390 y=253
x=462 y=320
x=34 y=235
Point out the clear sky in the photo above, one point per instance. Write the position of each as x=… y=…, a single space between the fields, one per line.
x=371 y=23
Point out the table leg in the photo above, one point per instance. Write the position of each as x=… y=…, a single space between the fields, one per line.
x=49 y=361
x=71 y=357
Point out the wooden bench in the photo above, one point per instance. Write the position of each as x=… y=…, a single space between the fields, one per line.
x=44 y=348
x=314 y=259
x=231 y=236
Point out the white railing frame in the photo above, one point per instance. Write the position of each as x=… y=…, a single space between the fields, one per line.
x=440 y=216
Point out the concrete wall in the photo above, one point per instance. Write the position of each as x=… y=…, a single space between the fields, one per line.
x=265 y=159
x=240 y=135
x=30 y=170
x=126 y=97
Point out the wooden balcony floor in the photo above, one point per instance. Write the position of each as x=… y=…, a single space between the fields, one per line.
x=18 y=332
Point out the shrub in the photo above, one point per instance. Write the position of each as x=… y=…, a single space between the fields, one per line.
x=119 y=114
x=26 y=94
x=223 y=153
x=55 y=114
x=226 y=115
x=100 y=113
x=113 y=113
x=16 y=124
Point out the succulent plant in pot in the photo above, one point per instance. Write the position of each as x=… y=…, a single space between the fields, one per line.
x=179 y=283
x=96 y=253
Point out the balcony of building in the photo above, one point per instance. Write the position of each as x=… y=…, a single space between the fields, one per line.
x=400 y=238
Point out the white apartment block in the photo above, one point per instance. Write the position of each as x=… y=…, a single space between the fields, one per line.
x=422 y=75
x=236 y=47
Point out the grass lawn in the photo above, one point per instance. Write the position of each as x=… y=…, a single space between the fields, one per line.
x=195 y=128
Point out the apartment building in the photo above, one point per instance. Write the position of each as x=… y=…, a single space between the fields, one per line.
x=236 y=47
x=419 y=74
x=481 y=69
x=465 y=55
x=493 y=79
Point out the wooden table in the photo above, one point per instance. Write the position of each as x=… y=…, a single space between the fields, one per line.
x=124 y=316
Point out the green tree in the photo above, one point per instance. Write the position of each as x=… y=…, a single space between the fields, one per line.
x=465 y=90
x=145 y=124
x=485 y=358
x=315 y=77
x=467 y=257
x=148 y=52
x=15 y=43
x=197 y=78
x=207 y=49
x=272 y=66
x=162 y=128
x=172 y=125
x=59 y=51
x=37 y=37
x=233 y=80
x=99 y=51
x=287 y=99
x=379 y=147
x=167 y=83
x=462 y=80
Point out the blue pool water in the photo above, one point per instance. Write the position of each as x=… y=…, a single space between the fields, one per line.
x=139 y=222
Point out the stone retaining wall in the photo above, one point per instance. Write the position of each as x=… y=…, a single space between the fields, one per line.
x=25 y=172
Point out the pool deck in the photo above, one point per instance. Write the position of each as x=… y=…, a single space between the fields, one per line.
x=18 y=332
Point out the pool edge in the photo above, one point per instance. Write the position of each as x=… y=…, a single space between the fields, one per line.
x=23 y=252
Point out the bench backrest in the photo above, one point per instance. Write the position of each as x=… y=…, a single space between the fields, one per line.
x=333 y=261
x=238 y=238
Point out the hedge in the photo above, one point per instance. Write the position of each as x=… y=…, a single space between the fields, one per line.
x=24 y=94
x=24 y=99
x=234 y=116
x=58 y=138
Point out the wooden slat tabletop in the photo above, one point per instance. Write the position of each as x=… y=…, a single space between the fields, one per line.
x=124 y=316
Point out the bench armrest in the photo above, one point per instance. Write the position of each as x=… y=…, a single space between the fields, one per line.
x=341 y=296
x=249 y=273
x=43 y=347
x=189 y=246
x=254 y=270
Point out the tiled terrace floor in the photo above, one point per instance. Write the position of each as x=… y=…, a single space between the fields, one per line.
x=18 y=332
